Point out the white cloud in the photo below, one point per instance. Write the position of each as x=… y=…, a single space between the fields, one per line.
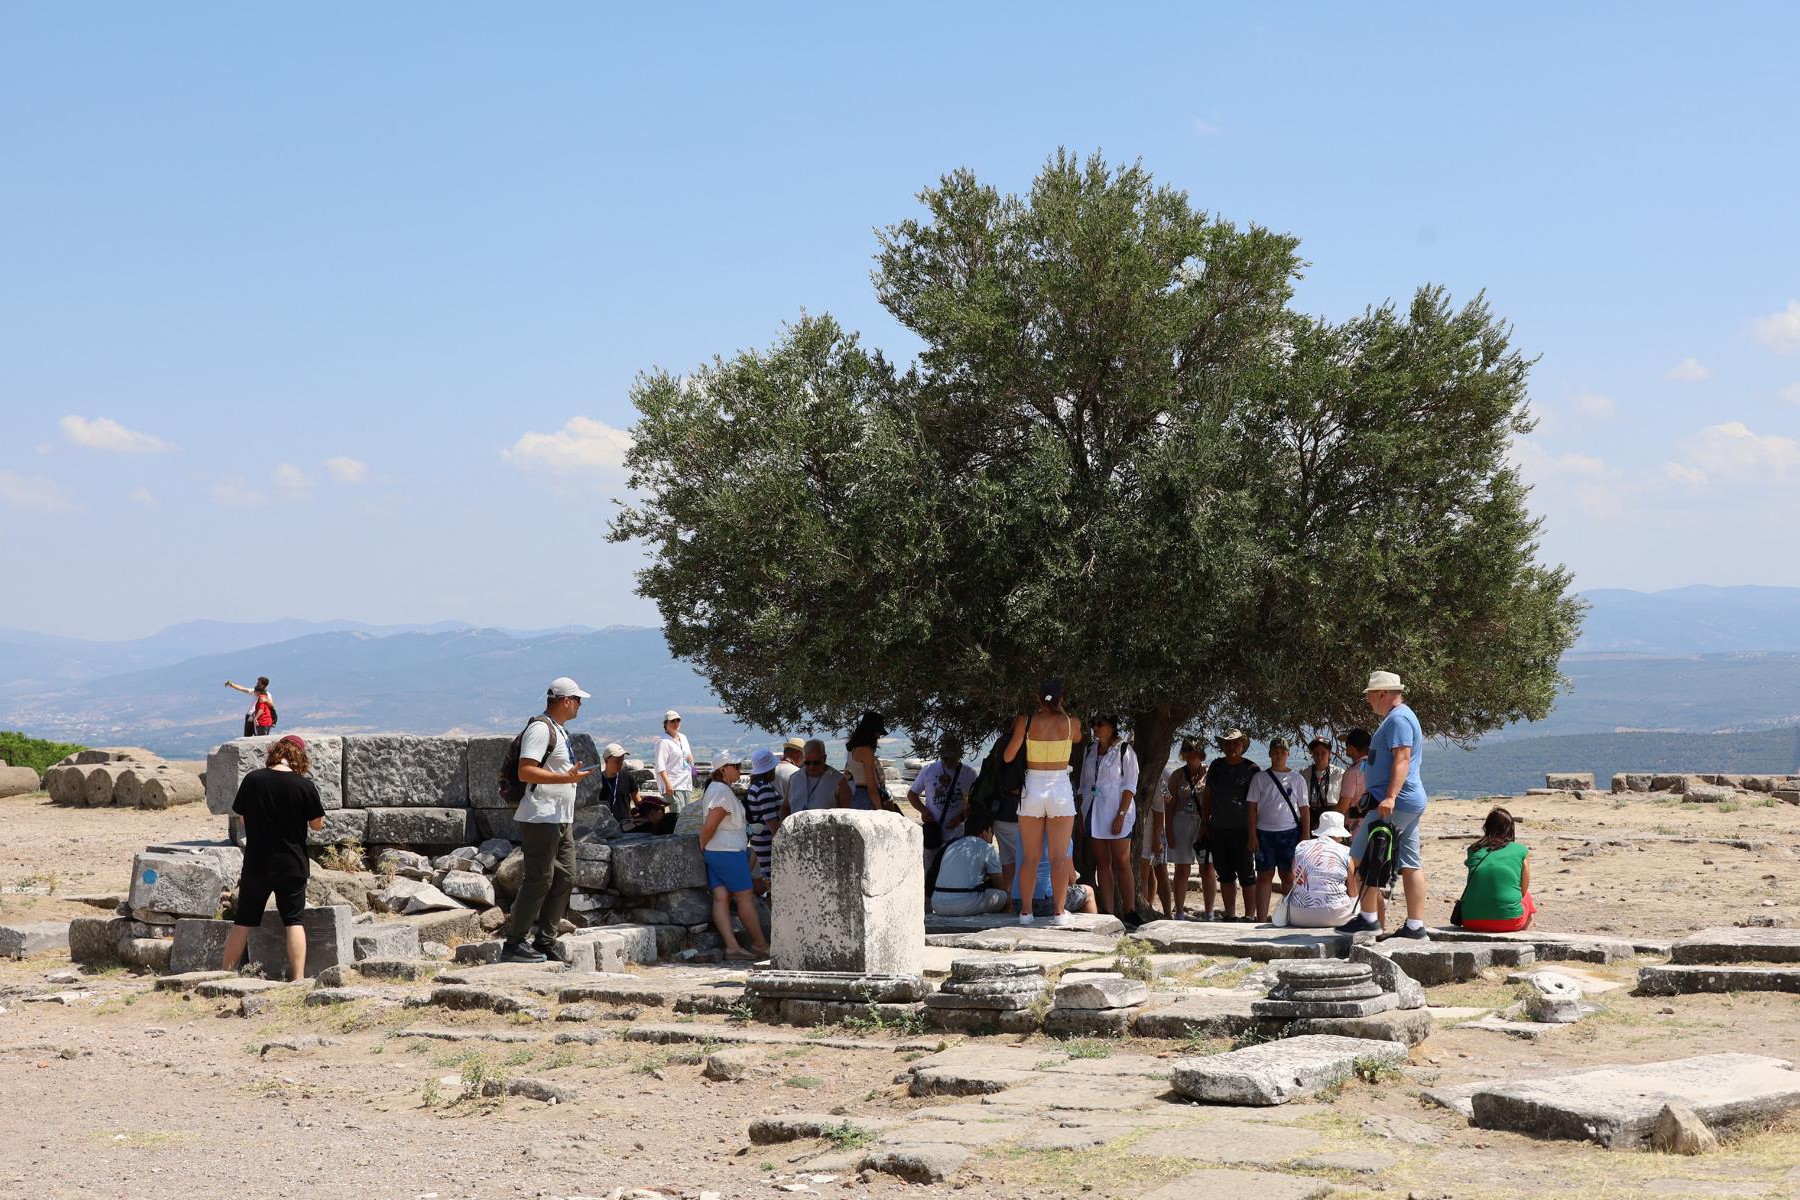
x=347 y=470
x=236 y=493
x=104 y=433
x=293 y=482
x=1593 y=404
x=27 y=494
x=1581 y=480
x=1779 y=331
x=583 y=447
x=1733 y=449
x=1688 y=370
x=1683 y=474
x=138 y=495
x=1790 y=393
x=1204 y=128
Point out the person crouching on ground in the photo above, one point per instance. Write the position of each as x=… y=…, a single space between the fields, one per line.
x=1109 y=777
x=1280 y=820
x=1320 y=898
x=727 y=849
x=278 y=804
x=968 y=878
x=1497 y=895
x=546 y=820
x=1047 y=804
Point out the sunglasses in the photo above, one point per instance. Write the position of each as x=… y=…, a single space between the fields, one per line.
x=814 y=762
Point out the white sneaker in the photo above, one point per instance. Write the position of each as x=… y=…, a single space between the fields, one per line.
x=1026 y=918
x=1062 y=920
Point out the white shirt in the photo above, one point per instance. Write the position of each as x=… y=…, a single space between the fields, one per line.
x=675 y=759
x=1331 y=782
x=943 y=796
x=1272 y=811
x=1320 y=869
x=547 y=803
x=1104 y=782
x=806 y=792
x=731 y=833
x=784 y=771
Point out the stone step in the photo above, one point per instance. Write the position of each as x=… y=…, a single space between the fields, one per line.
x=1263 y=943
x=1559 y=947
x=700 y=1032
x=1732 y=945
x=1277 y=1072
x=1204 y=1012
x=1617 y=1106
x=1434 y=963
x=1099 y=923
x=1674 y=980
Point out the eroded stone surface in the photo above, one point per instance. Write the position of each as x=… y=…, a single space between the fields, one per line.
x=1096 y=990
x=1277 y=1072
x=400 y=771
x=1675 y=980
x=1733 y=945
x=852 y=888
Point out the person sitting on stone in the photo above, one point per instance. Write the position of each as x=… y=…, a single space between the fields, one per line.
x=968 y=878
x=725 y=844
x=278 y=804
x=1078 y=897
x=1321 y=898
x=1496 y=896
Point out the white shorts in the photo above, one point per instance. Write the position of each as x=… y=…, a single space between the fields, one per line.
x=1047 y=794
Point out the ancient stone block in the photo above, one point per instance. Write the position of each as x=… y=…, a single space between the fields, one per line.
x=199 y=945
x=592 y=872
x=1570 y=781
x=418 y=826
x=1409 y=1027
x=151 y=954
x=1435 y=963
x=1678 y=980
x=97 y=791
x=1087 y=1022
x=186 y=885
x=385 y=940
x=652 y=865
x=1408 y=992
x=470 y=888
x=482 y=764
x=166 y=789
x=493 y=823
x=22 y=938
x=328 y=940
x=1732 y=945
x=1094 y=990
x=689 y=906
x=94 y=941
x=1276 y=1072
x=389 y=771
x=227 y=766
x=982 y=1022
x=341 y=825
x=852 y=893
x=836 y=985
x=1708 y=793
x=1215 y=1013
x=1304 y=1009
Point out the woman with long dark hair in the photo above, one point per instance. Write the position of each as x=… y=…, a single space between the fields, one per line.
x=1047 y=805
x=1497 y=895
x=868 y=785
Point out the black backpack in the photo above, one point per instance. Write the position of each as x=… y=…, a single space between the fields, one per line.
x=512 y=788
x=1380 y=862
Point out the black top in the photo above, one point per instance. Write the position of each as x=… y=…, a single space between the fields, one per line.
x=276 y=805
x=619 y=793
x=1230 y=784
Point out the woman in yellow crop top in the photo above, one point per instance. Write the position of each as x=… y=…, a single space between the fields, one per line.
x=1047 y=736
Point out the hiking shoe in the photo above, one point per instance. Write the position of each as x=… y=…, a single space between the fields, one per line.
x=519 y=952
x=1421 y=934
x=1360 y=924
x=549 y=948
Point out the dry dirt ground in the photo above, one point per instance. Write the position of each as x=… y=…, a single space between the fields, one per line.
x=129 y=1092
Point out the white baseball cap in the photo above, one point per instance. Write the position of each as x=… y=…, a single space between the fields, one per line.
x=1384 y=681
x=566 y=687
x=613 y=750
x=671 y=715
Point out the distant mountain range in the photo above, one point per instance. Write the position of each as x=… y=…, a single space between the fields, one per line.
x=1698 y=660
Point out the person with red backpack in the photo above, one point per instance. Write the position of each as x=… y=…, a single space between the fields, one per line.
x=541 y=775
x=260 y=720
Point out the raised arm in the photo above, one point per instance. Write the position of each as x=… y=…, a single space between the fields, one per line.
x=238 y=687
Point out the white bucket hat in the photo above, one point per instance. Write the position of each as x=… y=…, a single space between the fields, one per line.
x=1384 y=681
x=1330 y=825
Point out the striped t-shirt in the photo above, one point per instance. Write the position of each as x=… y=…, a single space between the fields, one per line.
x=761 y=806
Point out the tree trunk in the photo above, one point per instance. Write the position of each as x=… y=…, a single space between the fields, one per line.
x=1152 y=735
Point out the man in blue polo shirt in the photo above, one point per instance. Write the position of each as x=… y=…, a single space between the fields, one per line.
x=1391 y=779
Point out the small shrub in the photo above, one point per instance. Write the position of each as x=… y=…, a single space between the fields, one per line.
x=39 y=755
x=1375 y=1070
x=848 y=1136
x=1133 y=960
x=807 y=1082
x=346 y=855
x=429 y=1093
x=1087 y=1048
x=1730 y=806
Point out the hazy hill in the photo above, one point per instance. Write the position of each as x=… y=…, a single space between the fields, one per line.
x=1691 y=620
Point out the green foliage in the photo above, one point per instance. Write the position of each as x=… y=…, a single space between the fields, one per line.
x=1121 y=458
x=1132 y=960
x=806 y=1082
x=1087 y=1048
x=20 y=751
x=1374 y=1070
x=848 y=1136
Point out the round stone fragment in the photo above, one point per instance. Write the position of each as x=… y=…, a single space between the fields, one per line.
x=1355 y=991
x=1322 y=972
x=969 y=969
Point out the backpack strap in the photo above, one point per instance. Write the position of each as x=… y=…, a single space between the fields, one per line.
x=1285 y=795
x=547 y=750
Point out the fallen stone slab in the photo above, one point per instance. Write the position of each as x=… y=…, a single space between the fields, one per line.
x=1436 y=963
x=775 y=1129
x=1558 y=947
x=1618 y=1106
x=1686 y=980
x=1205 y=1012
x=184 y=885
x=1261 y=943
x=385 y=940
x=1277 y=1072
x=321 y=997
x=465 y=997
x=1525 y=1030
x=1027 y=937
x=1099 y=923
x=299 y=1043
x=1161 y=965
x=503 y=1036
x=532 y=1089
x=188 y=980
x=236 y=987
x=698 y=1032
x=602 y=988
x=982 y=1022
x=449 y=926
x=650 y=866
x=926 y=1162
x=1734 y=945
x=1098 y=990
x=854 y=986
x=1408 y=992
x=34 y=937
x=1409 y=1027
x=810 y=1013
x=1087 y=1022
x=1292 y=1010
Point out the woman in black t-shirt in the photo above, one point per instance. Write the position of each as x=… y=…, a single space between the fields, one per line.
x=278 y=804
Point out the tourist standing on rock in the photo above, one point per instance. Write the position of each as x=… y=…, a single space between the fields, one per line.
x=762 y=805
x=725 y=842
x=1351 y=789
x=968 y=879
x=1109 y=779
x=940 y=794
x=816 y=786
x=1393 y=782
x=1321 y=896
x=1496 y=897
x=278 y=804
x=1047 y=803
x=793 y=752
x=1324 y=778
x=1186 y=784
x=675 y=764
x=1280 y=820
x=260 y=720
x=546 y=820
x=868 y=784
x=1225 y=825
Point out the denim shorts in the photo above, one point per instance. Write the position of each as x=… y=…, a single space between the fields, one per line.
x=1275 y=849
x=1406 y=825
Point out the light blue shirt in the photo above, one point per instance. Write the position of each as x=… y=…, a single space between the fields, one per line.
x=1399 y=728
x=967 y=863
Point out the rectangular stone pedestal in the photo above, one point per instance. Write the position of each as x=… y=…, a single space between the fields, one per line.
x=850 y=893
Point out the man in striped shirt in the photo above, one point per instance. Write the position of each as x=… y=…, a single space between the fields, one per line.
x=762 y=808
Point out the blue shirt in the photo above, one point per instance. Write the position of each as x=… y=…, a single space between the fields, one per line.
x=1399 y=728
x=967 y=863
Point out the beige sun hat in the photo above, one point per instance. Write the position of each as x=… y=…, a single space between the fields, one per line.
x=1384 y=681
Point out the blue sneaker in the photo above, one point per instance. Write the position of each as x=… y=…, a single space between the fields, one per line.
x=1360 y=923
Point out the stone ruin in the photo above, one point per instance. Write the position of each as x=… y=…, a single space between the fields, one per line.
x=1693 y=788
x=17 y=781
x=121 y=778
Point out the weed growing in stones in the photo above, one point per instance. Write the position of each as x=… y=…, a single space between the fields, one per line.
x=1251 y=1037
x=346 y=855
x=1132 y=960
x=1375 y=1070
x=428 y=1094
x=1195 y=1044
x=518 y=1058
x=476 y=1071
x=848 y=1136
x=805 y=1082
x=1087 y=1048
x=1730 y=806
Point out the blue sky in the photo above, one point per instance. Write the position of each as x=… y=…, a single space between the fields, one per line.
x=333 y=312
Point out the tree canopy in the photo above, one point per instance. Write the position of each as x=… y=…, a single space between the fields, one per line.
x=1122 y=458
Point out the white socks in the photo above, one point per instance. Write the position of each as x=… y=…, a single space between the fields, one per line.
x=1412 y=924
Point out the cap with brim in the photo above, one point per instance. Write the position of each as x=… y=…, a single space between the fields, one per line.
x=613 y=750
x=1279 y=743
x=1330 y=824
x=565 y=686
x=1193 y=746
x=1384 y=681
x=762 y=762
x=671 y=715
x=1319 y=741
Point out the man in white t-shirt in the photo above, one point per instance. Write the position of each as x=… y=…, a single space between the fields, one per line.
x=1280 y=821
x=792 y=752
x=546 y=820
x=969 y=881
x=940 y=793
x=675 y=764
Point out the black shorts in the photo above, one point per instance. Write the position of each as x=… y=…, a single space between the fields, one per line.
x=253 y=895
x=1231 y=857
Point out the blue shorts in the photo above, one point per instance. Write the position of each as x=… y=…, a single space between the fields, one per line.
x=1275 y=849
x=729 y=869
x=1406 y=824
